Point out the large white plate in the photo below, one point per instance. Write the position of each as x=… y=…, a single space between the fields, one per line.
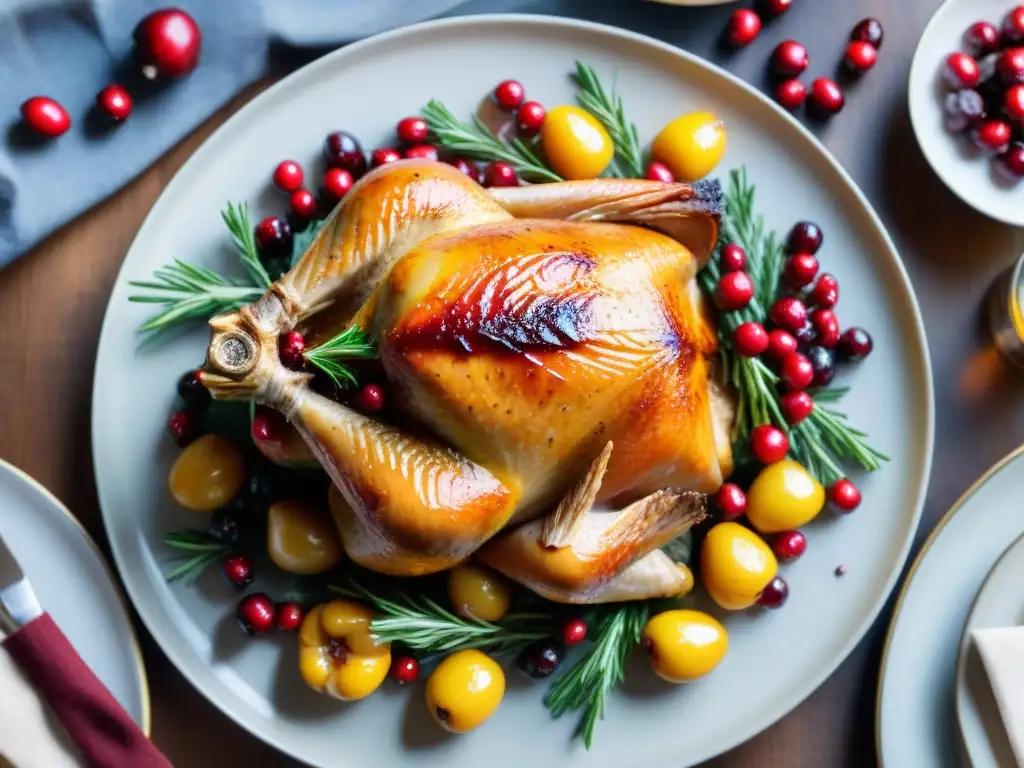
x=73 y=583
x=916 y=725
x=775 y=660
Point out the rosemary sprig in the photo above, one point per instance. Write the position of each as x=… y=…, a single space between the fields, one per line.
x=423 y=625
x=592 y=678
x=610 y=112
x=350 y=344
x=198 y=551
x=236 y=217
x=476 y=141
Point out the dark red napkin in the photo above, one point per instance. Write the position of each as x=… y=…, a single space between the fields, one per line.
x=106 y=734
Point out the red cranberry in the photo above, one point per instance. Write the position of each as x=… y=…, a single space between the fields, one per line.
x=768 y=443
x=788 y=313
x=168 y=43
x=791 y=93
x=45 y=116
x=509 y=94
x=268 y=426
x=405 y=669
x=288 y=616
x=868 y=31
x=342 y=150
x=855 y=344
x=192 y=391
x=274 y=237
x=823 y=363
x=1011 y=162
x=370 y=398
x=789 y=59
x=804 y=237
x=383 y=156
x=796 y=372
x=574 y=632
x=1013 y=102
x=961 y=71
x=993 y=136
x=780 y=344
x=843 y=496
x=800 y=270
x=1013 y=26
x=500 y=174
x=775 y=594
x=255 y=614
x=238 y=571
x=733 y=258
x=115 y=102
x=290 y=348
x=789 y=545
x=659 y=172
x=1010 y=66
x=412 y=130
x=731 y=501
x=337 y=182
x=750 y=339
x=744 y=26
x=860 y=56
x=825 y=293
x=421 y=152
x=963 y=109
x=530 y=117
x=288 y=176
x=796 y=406
x=466 y=167
x=827 y=97
x=771 y=8
x=303 y=204
x=826 y=327
x=183 y=427
x=982 y=38
x=734 y=291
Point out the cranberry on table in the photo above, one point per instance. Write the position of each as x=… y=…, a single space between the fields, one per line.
x=383 y=156
x=422 y=152
x=255 y=614
x=982 y=38
x=804 y=237
x=964 y=109
x=796 y=406
x=826 y=327
x=336 y=183
x=731 y=501
x=343 y=150
x=827 y=98
x=768 y=443
x=791 y=93
x=530 y=117
x=960 y=70
x=825 y=293
x=743 y=28
x=868 y=31
x=800 y=270
x=274 y=237
x=659 y=172
x=540 y=659
x=788 y=313
x=574 y=632
x=733 y=258
x=1010 y=66
x=789 y=59
x=781 y=343
x=238 y=571
x=796 y=372
x=1012 y=28
x=734 y=291
x=750 y=339
x=405 y=669
x=860 y=56
x=855 y=344
x=191 y=390
x=993 y=135
x=509 y=94
x=303 y=204
x=45 y=116
x=500 y=174
x=288 y=176
x=167 y=43
x=772 y=8
x=775 y=594
x=843 y=496
x=412 y=130
x=465 y=166
x=789 y=545
x=115 y=102
x=288 y=616
x=370 y=398
x=1011 y=162
x=183 y=427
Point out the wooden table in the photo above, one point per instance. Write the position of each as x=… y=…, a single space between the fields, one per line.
x=52 y=302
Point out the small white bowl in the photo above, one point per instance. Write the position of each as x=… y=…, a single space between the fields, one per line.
x=967 y=171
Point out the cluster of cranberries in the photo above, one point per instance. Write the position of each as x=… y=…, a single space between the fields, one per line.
x=985 y=101
x=167 y=44
x=789 y=60
x=257 y=614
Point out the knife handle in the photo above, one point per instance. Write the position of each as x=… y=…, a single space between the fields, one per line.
x=104 y=732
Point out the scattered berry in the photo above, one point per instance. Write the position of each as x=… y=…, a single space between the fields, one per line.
x=800 y=270
x=191 y=390
x=796 y=406
x=823 y=362
x=530 y=117
x=825 y=293
x=500 y=174
x=826 y=327
x=405 y=669
x=303 y=204
x=734 y=291
x=383 y=156
x=993 y=136
x=167 y=43
x=290 y=348
x=115 y=102
x=224 y=527
x=255 y=614
x=1010 y=66
x=1011 y=162
x=982 y=38
x=412 y=130
x=733 y=258
x=860 y=56
x=509 y=94
x=789 y=545
x=288 y=616
x=843 y=496
x=274 y=238
x=768 y=443
x=370 y=398
x=731 y=501
x=288 y=176
x=868 y=31
x=1012 y=27
x=337 y=182
x=540 y=659
x=961 y=71
x=781 y=343
x=183 y=427
x=804 y=237
x=574 y=632
x=1013 y=102
x=465 y=166
x=827 y=98
x=421 y=152
x=750 y=339
x=796 y=372
x=238 y=571
x=840 y=571
x=806 y=335
x=743 y=28
x=775 y=594
x=772 y=8
x=789 y=59
x=342 y=150
x=268 y=426
x=791 y=93
x=963 y=109
x=659 y=172
x=45 y=116
x=788 y=313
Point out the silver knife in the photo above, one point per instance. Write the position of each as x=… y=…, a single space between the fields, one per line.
x=18 y=603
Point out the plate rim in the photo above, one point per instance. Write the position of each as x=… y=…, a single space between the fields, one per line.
x=914 y=318
x=122 y=600
x=957 y=505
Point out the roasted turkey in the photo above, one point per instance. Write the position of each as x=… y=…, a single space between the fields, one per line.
x=552 y=351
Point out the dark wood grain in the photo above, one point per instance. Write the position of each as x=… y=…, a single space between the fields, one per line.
x=52 y=303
